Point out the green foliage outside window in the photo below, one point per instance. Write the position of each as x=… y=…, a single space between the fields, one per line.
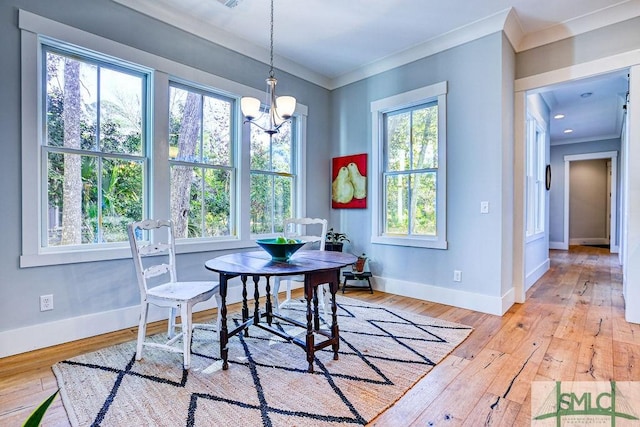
x=410 y=183
x=272 y=180
x=96 y=157
x=200 y=154
x=94 y=151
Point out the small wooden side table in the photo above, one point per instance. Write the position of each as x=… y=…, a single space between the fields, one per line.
x=350 y=275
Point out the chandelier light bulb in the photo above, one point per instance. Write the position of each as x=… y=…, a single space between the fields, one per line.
x=250 y=107
x=285 y=106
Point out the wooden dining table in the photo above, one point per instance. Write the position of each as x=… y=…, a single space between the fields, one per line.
x=317 y=267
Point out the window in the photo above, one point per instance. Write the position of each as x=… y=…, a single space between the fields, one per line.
x=535 y=210
x=202 y=165
x=111 y=139
x=93 y=149
x=409 y=189
x=273 y=178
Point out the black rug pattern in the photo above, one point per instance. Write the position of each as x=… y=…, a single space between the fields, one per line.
x=382 y=354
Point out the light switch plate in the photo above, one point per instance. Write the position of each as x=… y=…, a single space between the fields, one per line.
x=484 y=207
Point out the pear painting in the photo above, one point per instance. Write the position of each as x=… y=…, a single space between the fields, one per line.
x=358 y=181
x=342 y=188
x=349 y=182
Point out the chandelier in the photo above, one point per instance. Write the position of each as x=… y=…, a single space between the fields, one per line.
x=279 y=108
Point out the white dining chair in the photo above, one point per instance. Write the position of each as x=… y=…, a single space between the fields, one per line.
x=297 y=228
x=155 y=265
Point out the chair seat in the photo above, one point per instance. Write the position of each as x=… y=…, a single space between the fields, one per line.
x=183 y=291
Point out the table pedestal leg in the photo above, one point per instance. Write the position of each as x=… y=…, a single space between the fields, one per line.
x=224 y=332
x=245 y=307
x=309 y=340
x=268 y=305
x=333 y=288
x=256 y=297
x=316 y=313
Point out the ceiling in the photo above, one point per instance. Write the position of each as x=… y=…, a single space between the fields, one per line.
x=592 y=108
x=335 y=42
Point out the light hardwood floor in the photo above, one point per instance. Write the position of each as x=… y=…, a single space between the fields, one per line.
x=571 y=328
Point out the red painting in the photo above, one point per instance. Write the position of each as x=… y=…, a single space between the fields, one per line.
x=349 y=182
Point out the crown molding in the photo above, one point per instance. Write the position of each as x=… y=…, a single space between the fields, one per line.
x=453 y=38
x=220 y=37
x=506 y=20
x=456 y=37
x=605 y=137
x=582 y=24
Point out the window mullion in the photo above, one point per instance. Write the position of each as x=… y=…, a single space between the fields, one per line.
x=99 y=199
x=203 y=210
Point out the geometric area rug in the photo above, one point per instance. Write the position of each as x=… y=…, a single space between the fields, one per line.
x=383 y=353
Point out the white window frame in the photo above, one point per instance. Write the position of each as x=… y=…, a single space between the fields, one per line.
x=294 y=172
x=535 y=210
x=232 y=168
x=33 y=27
x=59 y=49
x=436 y=92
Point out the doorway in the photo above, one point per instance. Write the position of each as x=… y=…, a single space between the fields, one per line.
x=590 y=199
x=538 y=84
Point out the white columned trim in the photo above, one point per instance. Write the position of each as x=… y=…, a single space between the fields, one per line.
x=631 y=277
x=519 y=199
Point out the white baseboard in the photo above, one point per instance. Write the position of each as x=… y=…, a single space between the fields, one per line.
x=533 y=276
x=589 y=241
x=558 y=245
x=22 y=340
x=43 y=335
x=448 y=296
x=564 y=247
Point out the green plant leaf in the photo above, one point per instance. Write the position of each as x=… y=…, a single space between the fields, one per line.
x=37 y=415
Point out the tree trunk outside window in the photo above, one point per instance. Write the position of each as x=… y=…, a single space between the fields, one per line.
x=181 y=176
x=72 y=190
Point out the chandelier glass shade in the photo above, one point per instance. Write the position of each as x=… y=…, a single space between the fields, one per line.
x=279 y=109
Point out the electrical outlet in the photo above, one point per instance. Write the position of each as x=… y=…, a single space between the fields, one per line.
x=457 y=276
x=46 y=302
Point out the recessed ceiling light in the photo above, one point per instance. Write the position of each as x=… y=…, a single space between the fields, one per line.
x=586 y=94
x=559 y=116
x=568 y=130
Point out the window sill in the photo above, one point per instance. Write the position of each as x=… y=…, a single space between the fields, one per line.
x=80 y=255
x=410 y=242
x=534 y=237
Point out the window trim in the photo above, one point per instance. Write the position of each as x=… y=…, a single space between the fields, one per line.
x=33 y=27
x=436 y=92
x=232 y=167
x=55 y=47
x=294 y=173
x=535 y=150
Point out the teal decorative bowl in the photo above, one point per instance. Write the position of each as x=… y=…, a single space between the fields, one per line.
x=279 y=251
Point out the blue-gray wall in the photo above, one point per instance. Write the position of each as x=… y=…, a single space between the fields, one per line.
x=615 y=39
x=82 y=289
x=479 y=109
x=536 y=255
